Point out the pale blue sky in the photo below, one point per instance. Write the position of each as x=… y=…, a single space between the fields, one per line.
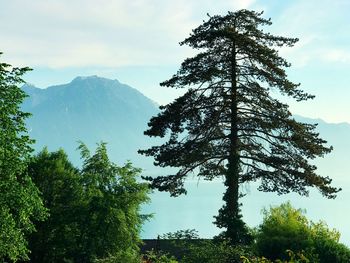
x=136 y=42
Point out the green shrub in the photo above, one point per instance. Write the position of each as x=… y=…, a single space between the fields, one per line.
x=196 y=250
x=329 y=250
x=283 y=228
x=211 y=251
x=292 y=258
x=160 y=257
x=286 y=228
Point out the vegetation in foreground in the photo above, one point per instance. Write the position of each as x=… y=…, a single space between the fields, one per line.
x=20 y=202
x=94 y=211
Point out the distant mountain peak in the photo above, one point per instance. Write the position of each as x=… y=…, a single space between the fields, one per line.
x=93 y=78
x=29 y=86
x=91 y=109
x=81 y=78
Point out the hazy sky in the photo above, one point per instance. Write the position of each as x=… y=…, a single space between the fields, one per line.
x=136 y=42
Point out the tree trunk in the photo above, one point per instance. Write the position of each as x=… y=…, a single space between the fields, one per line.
x=229 y=215
x=231 y=195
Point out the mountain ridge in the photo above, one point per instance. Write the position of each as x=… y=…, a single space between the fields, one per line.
x=90 y=109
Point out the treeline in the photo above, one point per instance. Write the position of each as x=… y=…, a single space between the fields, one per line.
x=94 y=212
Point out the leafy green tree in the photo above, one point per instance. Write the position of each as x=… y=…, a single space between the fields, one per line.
x=229 y=122
x=112 y=220
x=326 y=244
x=20 y=203
x=56 y=239
x=285 y=228
x=94 y=212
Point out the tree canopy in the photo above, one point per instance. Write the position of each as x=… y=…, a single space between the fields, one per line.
x=94 y=211
x=229 y=122
x=285 y=228
x=113 y=199
x=20 y=203
x=57 y=238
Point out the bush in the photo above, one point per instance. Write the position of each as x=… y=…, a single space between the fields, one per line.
x=95 y=211
x=192 y=249
x=330 y=250
x=159 y=257
x=286 y=228
x=211 y=251
x=283 y=228
x=293 y=258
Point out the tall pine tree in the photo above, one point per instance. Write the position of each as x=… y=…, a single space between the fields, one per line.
x=229 y=124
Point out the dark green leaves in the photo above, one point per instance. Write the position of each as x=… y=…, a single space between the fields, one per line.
x=94 y=212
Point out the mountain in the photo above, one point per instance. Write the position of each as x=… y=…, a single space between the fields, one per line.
x=91 y=110
x=94 y=109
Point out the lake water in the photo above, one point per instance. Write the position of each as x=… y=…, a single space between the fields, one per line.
x=196 y=209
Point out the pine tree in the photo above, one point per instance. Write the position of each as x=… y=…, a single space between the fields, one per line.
x=229 y=122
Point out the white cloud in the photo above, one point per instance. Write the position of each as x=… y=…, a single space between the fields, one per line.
x=64 y=33
x=337 y=55
x=321 y=25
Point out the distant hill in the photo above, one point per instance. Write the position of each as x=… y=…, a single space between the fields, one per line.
x=94 y=109
x=90 y=109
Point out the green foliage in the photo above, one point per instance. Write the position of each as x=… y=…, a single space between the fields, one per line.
x=159 y=257
x=285 y=228
x=326 y=244
x=20 y=203
x=94 y=212
x=214 y=252
x=192 y=249
x=292 y=258
x=185 y=234
x=56 y=239
x=285 y=236
x=112 y=199
x=120 y=256
x=229 y=124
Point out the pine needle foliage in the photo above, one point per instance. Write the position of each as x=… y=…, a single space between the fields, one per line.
x=229 y=122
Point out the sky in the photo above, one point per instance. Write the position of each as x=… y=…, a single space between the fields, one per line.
x=136 y=42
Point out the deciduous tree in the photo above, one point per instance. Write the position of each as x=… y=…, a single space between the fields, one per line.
x=94 y=211
x=286 y=228
x=113 y=198
x=57 y=238
x=20 y=203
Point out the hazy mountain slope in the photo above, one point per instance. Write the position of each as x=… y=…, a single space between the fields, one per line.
x=90 y=109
